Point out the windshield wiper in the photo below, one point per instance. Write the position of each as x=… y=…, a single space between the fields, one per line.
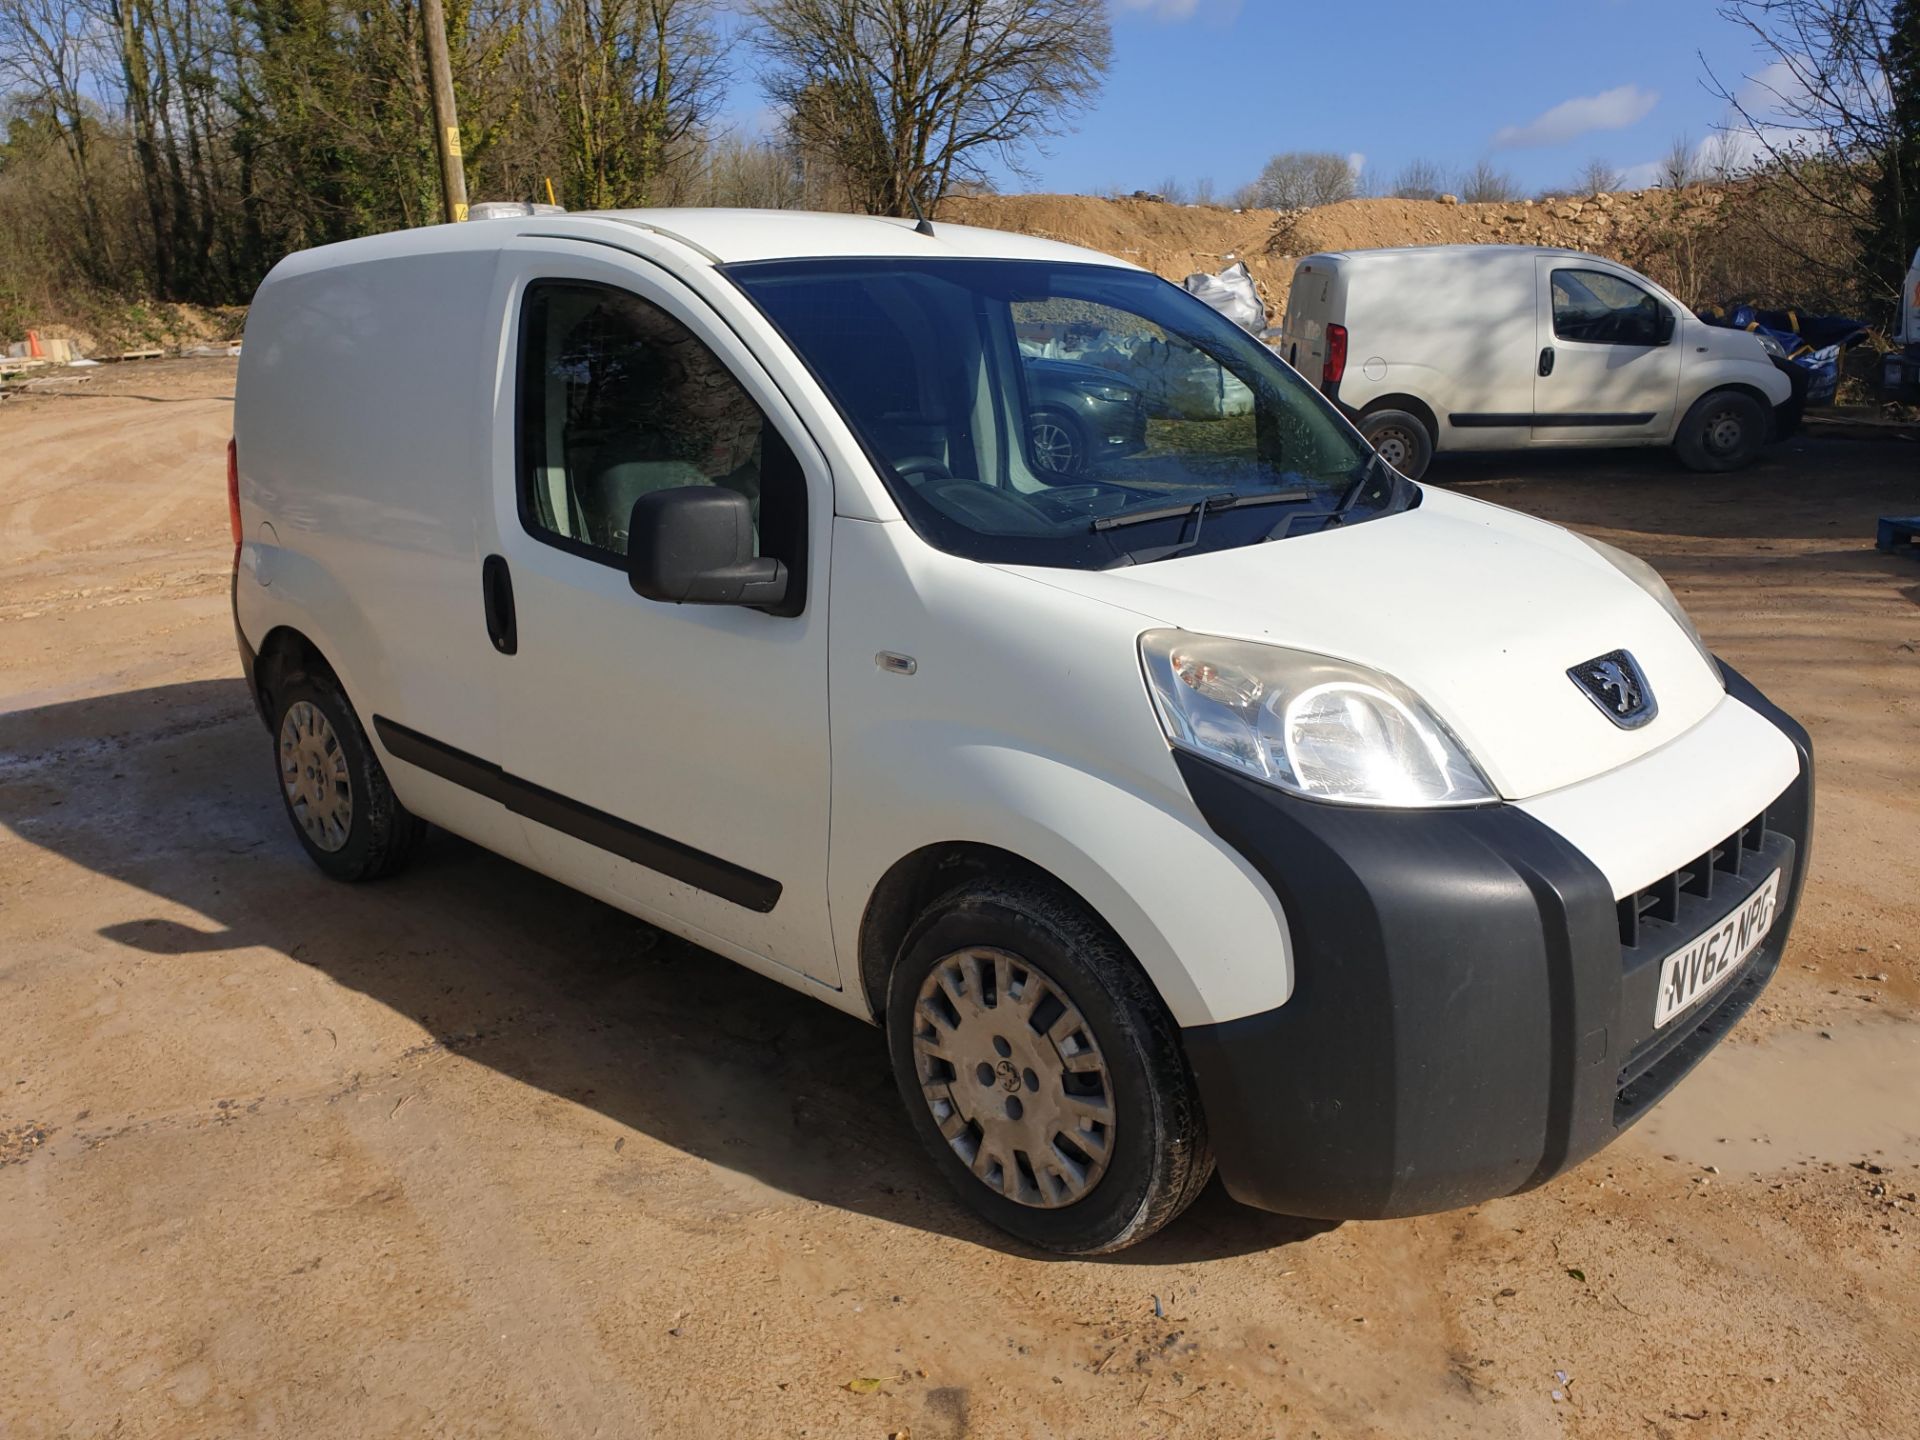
x=1225 y=500
x=1348 y=499
x=1198 y=510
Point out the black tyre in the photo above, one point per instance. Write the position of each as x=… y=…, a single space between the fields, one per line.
x=1723 y=431
x=337 y=796
x=1042 y=1071
x=1059 y=444
x=1402 y=439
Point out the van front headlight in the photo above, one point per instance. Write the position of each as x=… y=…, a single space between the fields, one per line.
x=1318 y=727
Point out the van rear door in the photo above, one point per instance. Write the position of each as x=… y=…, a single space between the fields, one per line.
x=1608 y=370
x=1310 y=305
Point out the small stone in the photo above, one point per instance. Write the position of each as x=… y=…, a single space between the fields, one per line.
x=1449 y=199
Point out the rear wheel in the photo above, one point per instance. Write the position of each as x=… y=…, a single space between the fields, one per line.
x=1042 y=1072
x=1723 y=431
x=342 y=809
x=1402 y=440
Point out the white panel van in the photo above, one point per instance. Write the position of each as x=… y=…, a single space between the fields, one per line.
x=1495 y=347
x=1224 y=798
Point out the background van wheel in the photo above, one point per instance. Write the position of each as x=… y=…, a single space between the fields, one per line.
x=1059 y=444
x=337 y=796
x=1723 y=431
x=1042 y=1071
x=1402 y=440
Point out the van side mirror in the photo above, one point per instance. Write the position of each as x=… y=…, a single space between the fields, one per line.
x=693 y=545
x=1663 y=325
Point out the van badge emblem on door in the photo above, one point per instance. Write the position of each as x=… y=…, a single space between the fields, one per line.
x=1614 y=683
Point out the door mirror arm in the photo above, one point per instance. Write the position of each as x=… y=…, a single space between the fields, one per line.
x=694 y=545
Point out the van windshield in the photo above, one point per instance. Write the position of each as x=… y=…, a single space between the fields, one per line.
x=1084 y=416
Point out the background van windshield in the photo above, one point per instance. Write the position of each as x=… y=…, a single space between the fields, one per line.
x=1072 y=415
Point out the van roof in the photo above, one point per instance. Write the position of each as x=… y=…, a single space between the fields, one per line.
x=722 y=237
x=1411 y=252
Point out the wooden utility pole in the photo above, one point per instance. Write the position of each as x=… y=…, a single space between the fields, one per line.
x=446 y=121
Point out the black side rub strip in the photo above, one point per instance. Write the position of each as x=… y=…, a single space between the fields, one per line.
x=583 y=822
x=1516 y=419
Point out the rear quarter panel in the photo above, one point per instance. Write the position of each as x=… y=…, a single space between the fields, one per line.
x=360 y=422
x=1453 y=328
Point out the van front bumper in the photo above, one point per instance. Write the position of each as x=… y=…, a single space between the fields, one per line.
x=1468 y=1018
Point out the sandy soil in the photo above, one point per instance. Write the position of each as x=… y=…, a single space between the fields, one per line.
x=1178 y=240
x=466 y=1154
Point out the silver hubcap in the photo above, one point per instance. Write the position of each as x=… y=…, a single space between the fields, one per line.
x=1395 y=446
x=1014 y=1078
x=1053 y=448
x=1723 y=431
x=313 y=771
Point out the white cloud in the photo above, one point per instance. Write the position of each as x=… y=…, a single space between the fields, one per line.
x=1613 y=109
x=1177 y=10
x=1356 y=162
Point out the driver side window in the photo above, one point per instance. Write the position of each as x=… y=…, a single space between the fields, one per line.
x=618 y=399
x=1599 y=308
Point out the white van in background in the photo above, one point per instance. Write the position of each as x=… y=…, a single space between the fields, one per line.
x=1496 y=347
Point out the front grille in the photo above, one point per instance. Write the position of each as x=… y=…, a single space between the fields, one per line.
x=1661 y=900
x=1662 y=917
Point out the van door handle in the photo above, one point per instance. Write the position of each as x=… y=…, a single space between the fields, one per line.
x=1546 y=361
x=496 y=591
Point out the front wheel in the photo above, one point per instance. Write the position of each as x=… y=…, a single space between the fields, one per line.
x=1723 y=431
x=1042 y=1071
x=1402 y=440
x=1059 y=444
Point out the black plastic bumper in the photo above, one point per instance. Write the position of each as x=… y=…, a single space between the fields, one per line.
x=249 y=662
x=1467 y=1020
x=1788 y=414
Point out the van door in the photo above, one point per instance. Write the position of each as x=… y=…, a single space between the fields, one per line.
x=671 y=758
x=1607 y=371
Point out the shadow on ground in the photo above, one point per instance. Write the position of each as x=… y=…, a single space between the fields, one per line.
x=1810 y=487
x=171 y=790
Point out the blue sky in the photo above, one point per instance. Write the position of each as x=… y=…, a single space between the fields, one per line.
x=1210 y=88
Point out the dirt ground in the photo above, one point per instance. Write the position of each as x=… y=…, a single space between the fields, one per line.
x=466 y=1154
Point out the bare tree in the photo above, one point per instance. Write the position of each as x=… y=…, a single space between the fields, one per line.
x=631 y=82
x=1598 y=178
x=1486 y=184
x=1419 y=179
x=52 y=57
x=1831 y=119
x=902 y=97
x=1299 y=180
x=1679 y=167
x=1720 y=157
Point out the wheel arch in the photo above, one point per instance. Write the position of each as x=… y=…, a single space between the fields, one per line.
x=284 y=650
x=1413 y=405
x=914 y=882
x=1730 y=387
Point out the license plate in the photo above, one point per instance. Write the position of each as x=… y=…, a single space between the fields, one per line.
x=1704 y=964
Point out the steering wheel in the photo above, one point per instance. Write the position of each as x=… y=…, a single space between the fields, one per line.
x=925 y=466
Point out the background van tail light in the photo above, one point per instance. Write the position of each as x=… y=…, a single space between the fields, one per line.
x=1336 y=366
x=233 y=496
